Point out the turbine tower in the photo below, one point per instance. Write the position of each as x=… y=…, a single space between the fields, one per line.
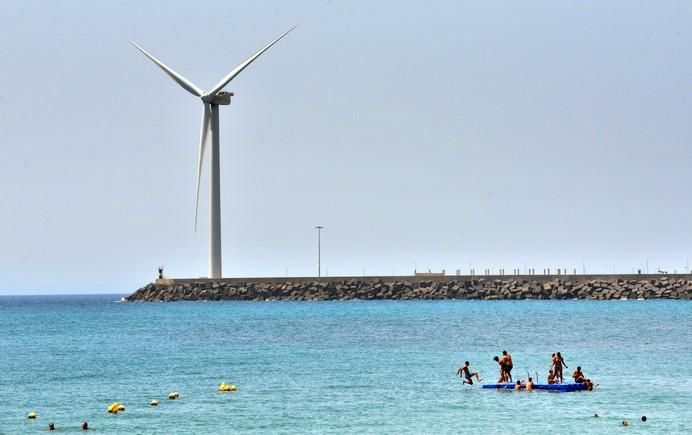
x=210 y=127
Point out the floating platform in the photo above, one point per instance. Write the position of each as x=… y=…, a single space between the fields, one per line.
x=549 y=387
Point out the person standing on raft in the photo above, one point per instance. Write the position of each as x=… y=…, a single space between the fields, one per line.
x=466 y=373
x=559 y=363
x=506 y=361
x=503 y=373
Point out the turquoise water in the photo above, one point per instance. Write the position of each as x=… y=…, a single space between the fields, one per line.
x=339 y=367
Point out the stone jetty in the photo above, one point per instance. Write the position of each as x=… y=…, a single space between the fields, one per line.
x=598 y=287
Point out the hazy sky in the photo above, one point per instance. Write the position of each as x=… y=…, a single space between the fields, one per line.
x=420 y=134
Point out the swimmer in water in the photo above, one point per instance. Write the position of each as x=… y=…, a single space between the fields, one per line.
x=589 y=384
x=529 y=384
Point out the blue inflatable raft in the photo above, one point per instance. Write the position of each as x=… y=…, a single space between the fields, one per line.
x=549 y=387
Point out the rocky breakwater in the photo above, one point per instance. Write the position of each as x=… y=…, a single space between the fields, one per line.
x=412 y=288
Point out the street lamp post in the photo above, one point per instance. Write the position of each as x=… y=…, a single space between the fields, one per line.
x=319 y=251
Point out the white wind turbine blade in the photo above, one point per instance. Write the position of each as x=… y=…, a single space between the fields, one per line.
x=182 y=81
x=203 y=133
x=237 y=70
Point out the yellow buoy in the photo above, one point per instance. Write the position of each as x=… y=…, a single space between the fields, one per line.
x=154 y=402
x=121 y=407
x=31 y=415
x=174 y=395
x=113 y=408
x=226 y=387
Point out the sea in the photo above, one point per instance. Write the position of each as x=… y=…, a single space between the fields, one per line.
x=380 y=367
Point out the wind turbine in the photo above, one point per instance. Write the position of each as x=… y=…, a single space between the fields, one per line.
x=210 y=126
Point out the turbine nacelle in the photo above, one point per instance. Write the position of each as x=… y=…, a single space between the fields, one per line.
x=220 y=98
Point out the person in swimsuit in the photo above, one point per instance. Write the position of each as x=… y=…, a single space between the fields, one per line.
x=503 y=374
x=589 y=384
x=466 y=373
x=529 y=384
x=559 y=363
x=518 y=386
x=551 y=377
x=578 y=375
x=507 y=362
